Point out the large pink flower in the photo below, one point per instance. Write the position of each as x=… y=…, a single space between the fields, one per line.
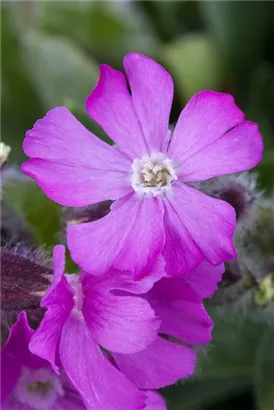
x=149 y=172
x=148 y=330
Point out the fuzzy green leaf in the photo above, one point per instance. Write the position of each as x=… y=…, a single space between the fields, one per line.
x=235 y=340
x=59 y=70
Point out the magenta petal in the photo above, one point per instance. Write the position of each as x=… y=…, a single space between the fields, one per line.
x=10 y=365
x=129 y=238
x=238 y=150
x=15 y=353
x=59 y=137
x=209 y=221
x=181 y=311
x=180 y=251
x=60 y=292
x=12 y=404
x=124 y=324
x=204 y=279
x=110 y=105
x=71 y=165
x=45 y=340
x=11 y=369
x=101 y=385
x=207 y=116
x=161 y=364
x=59 y=302
x=152 y=93
x=123 y=280
x=76 y=186
x=155 y=401
x=70 y=401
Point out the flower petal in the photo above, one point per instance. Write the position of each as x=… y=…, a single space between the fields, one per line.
x=120 y=323
x=238 y=150
x=209 y=221
x=152 y=93
x=161 y=364
x=11 y=403
x=9 y=363
x=123 y=281
x=70 y=401
x=101 y=385
x=110 y=105
x=181 y=311
x=46 y=338
x=204 y=279
x=180 y=251
x=59 y=301
x=59 y=289
x=10 y=367
x=15 y=353
x=71 y=165
x=129 y=238
x=207 y=116
x=155 y=401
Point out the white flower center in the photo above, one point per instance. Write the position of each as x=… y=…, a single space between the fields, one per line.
x=153 y=174
x=38 y=388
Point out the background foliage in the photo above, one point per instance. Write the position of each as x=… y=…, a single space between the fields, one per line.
x=50 y=56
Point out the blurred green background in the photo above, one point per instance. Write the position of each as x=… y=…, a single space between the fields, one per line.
x=50 y=57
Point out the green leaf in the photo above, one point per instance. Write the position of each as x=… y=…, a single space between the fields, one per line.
x=19 y=103
x=41 y=214
x=225 y=368
x=194 y=63
x=195 y=395
x=59 y=70
x=235 y=340
x=240 y=30
x=88 y=23
x=264 y=372
x=266 y=171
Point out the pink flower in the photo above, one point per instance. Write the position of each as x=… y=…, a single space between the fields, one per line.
x=127 y=319
x=148 y=173
x=184 y=324
x=86 y=312
x=28 y=382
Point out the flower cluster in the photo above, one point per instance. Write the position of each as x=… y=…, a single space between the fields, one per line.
x=129 y=322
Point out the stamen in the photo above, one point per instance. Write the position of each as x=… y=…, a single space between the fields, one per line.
x=153 y=174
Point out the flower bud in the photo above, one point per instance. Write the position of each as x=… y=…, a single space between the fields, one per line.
x=4 y=153
x=238 y=190
x=24 y=280
x=255 y=241
x=232 y=273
